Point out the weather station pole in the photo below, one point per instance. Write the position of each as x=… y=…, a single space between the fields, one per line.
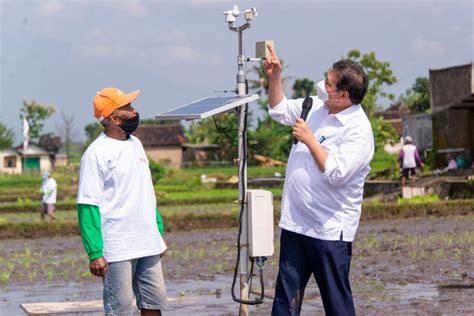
x=256 y=226
x=242 y=89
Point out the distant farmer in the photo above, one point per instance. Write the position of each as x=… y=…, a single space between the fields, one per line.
x=48 y=189
x=409 y=159
x=120 y=225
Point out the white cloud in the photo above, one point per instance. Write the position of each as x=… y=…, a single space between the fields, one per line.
x=135 y=8
x=51 y=7
x=112 y=52
x=182 y=53
x=216 y=59
x=424 y=47
x=211 y=2
x=174 y=36
x=457 y=28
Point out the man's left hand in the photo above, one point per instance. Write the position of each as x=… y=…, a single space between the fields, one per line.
x=302 y=132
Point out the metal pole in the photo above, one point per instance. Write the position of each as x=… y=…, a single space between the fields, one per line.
x=242 y=171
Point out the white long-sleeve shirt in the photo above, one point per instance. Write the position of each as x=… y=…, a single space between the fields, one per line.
x=322 y=205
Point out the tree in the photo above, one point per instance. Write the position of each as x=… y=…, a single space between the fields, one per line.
x=92 y=131
x=270 y=138
x=380 y=75
x=6 y=136
x=152 y=121
x=261 y=84
x=220 y=130
x=50 y=142
x=418 y=96
x=303 y=88
x=68 y=132
x=35 y=114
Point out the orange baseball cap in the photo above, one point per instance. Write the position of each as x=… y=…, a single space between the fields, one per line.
x=109 y=99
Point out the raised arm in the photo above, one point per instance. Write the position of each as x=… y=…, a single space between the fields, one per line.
x=273 y=69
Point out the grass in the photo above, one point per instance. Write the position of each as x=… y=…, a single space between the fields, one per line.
x=167 y=211
x=212 y=193
x=383 y=161
x=209 y=196
x=418 y=199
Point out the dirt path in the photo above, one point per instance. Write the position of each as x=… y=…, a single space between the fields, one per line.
x=399 y=267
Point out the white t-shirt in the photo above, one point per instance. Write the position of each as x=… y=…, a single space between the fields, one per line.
x=49 y=189
x=115 y=176
x=409 y=160
x=322 y=205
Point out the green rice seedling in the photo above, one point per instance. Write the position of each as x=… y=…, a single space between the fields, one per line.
x=10 y=265
x=67 y=260
x=200 y=252
x=219 y=267
x=371 y=241
x=449 y=240
x=49 y=275
x=466 y=238
x=185 y=254
x=5 y=277
x=25 y=262
x=32 y=275
x=457 y=253
x=27 y=252
x=418 y=199
x=224 y=249
x=395 y=243
x=413 y=254
x=65 y=274
x=439 y=254
x=86 y=274
x=412 y=240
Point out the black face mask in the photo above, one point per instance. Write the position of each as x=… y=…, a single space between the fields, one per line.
x=129 y=126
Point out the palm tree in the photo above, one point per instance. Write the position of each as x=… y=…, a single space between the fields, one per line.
x=261 y=84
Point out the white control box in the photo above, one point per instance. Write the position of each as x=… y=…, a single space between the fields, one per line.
x=260 y=223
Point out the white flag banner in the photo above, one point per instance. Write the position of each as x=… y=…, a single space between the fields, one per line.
x=26 y=137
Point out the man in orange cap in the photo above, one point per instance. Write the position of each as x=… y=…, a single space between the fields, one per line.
x=120 y=226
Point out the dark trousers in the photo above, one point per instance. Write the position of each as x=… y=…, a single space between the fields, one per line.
x=328 y=261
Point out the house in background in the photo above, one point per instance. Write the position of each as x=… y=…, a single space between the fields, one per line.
x=201 y=155
x=452 y=109
x=163 y=143
x=10 y=161
x=394 y=115
x=34 y=160
x=419 y=127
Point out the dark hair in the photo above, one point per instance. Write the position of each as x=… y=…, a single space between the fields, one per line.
x=105 y=122
x=351 y=77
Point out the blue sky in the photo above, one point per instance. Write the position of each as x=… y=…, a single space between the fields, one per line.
x=62 y=52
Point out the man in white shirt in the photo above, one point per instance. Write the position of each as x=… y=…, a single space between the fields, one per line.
x=49 y=191
x=116 y=203
x=322 y=196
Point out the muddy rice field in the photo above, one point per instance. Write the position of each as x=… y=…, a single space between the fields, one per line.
x=418 y=266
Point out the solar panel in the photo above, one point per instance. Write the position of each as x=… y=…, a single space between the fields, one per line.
x=206 y=107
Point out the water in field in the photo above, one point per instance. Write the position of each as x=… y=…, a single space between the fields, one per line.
x=399 y=267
